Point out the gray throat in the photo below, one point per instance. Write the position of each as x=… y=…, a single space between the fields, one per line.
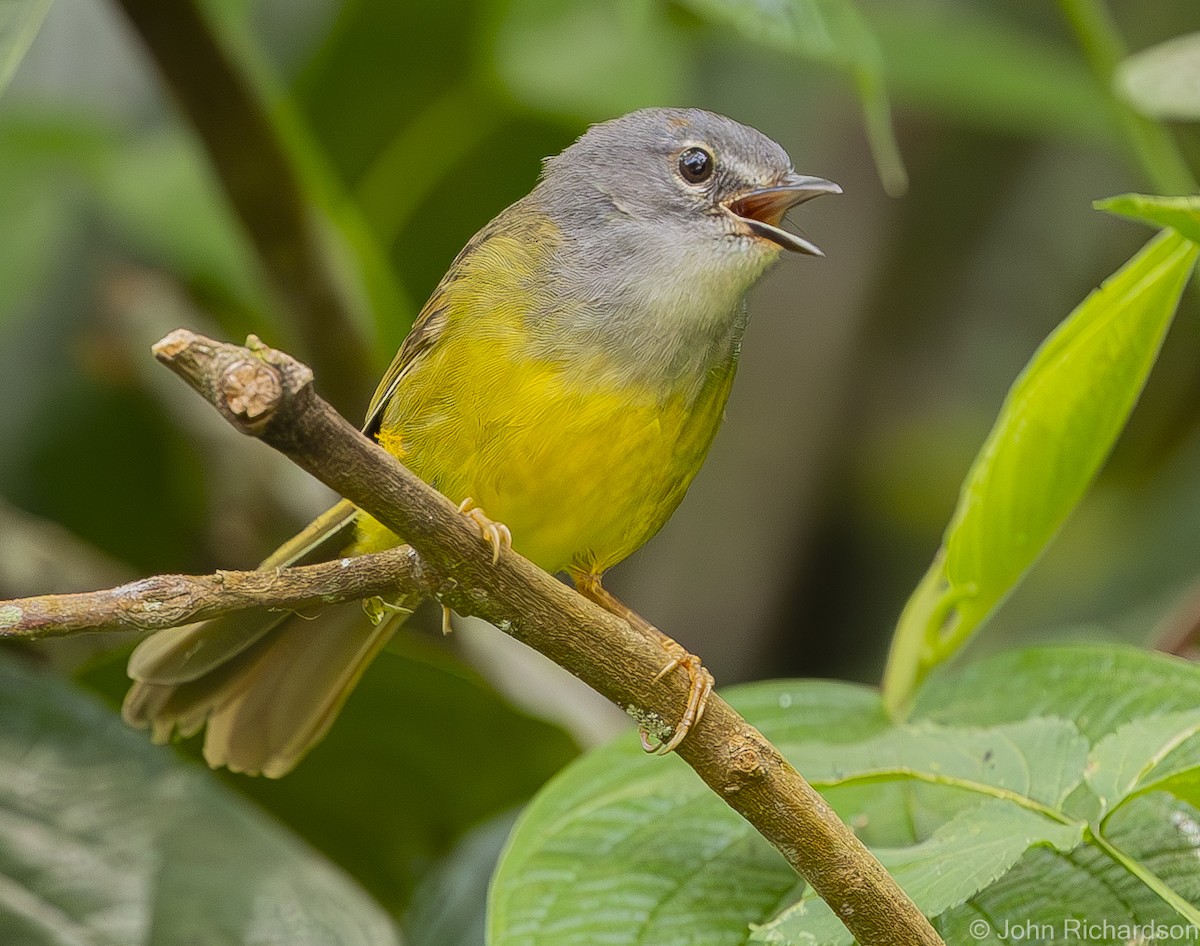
x=652 y=310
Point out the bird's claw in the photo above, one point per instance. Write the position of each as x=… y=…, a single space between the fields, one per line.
x=496 y=534
x=701 y=688
x=588 y=585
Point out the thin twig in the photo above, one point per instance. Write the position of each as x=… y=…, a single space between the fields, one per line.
x=268 y=394
x=153 y=604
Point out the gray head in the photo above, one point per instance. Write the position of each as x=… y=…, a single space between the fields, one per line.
x=667 y=217
x=691 y=174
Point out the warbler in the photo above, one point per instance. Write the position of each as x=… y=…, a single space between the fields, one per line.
x=567 y=375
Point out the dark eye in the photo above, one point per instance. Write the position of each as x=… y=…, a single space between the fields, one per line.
x=696 y=165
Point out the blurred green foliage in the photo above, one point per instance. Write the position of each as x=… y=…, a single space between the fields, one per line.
x=1161 y=81
x=104 y=839
x=868 y=380
x=397 y=782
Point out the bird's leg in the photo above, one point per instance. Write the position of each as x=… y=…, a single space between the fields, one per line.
x=495 y=534
x=589 y=586
x=701 y=681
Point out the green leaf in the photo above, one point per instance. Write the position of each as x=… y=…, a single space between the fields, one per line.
x=1098 y=687
x=1145 y=755
x=1056 y=428
x=1164 y=80
x=1012 y=760
x=832 y=33
x=423 y=751
x=106 y=841
x=1164 y=834
x=1181 y=781
x=635 y=851
x=1181 y=214
x=623 y=848
x=20 y=21
x=449 y=906
x=1054 y=898
x=986 y=840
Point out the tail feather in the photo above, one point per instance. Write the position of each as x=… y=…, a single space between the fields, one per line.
x=290 y=700
x=193 y=652
x=268 y=685
x=184 y=654
x=322 y=539
x=171 y=707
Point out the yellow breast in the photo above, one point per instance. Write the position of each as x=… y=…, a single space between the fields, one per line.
x=582 y=475
x=581 y=466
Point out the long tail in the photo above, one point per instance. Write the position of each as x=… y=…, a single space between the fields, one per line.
x=268 y=685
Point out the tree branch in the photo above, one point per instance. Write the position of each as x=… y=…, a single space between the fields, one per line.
x=269 y=395
x=154 y=604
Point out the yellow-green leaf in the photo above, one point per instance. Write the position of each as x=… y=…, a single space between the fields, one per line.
x=1056 y=428
x=1181 y=214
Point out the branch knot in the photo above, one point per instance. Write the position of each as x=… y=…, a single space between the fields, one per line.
x=749 y=759
x=252 y=391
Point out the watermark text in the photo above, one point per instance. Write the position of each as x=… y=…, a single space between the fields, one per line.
x=1085 y=931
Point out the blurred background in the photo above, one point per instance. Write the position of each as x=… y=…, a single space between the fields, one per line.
x=138 y=195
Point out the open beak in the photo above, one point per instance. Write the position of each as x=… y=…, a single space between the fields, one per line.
x=762 y=210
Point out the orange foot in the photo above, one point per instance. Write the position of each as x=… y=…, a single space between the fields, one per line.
x=495 y=534
x=701 y=688
x=589 y=586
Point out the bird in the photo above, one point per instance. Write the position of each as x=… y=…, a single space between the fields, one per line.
x=563 y=383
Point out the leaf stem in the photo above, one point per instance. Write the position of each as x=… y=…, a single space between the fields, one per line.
x=949 y=781
x=1147 y=877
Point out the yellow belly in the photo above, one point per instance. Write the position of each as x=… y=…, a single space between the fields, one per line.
x=583 y=471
